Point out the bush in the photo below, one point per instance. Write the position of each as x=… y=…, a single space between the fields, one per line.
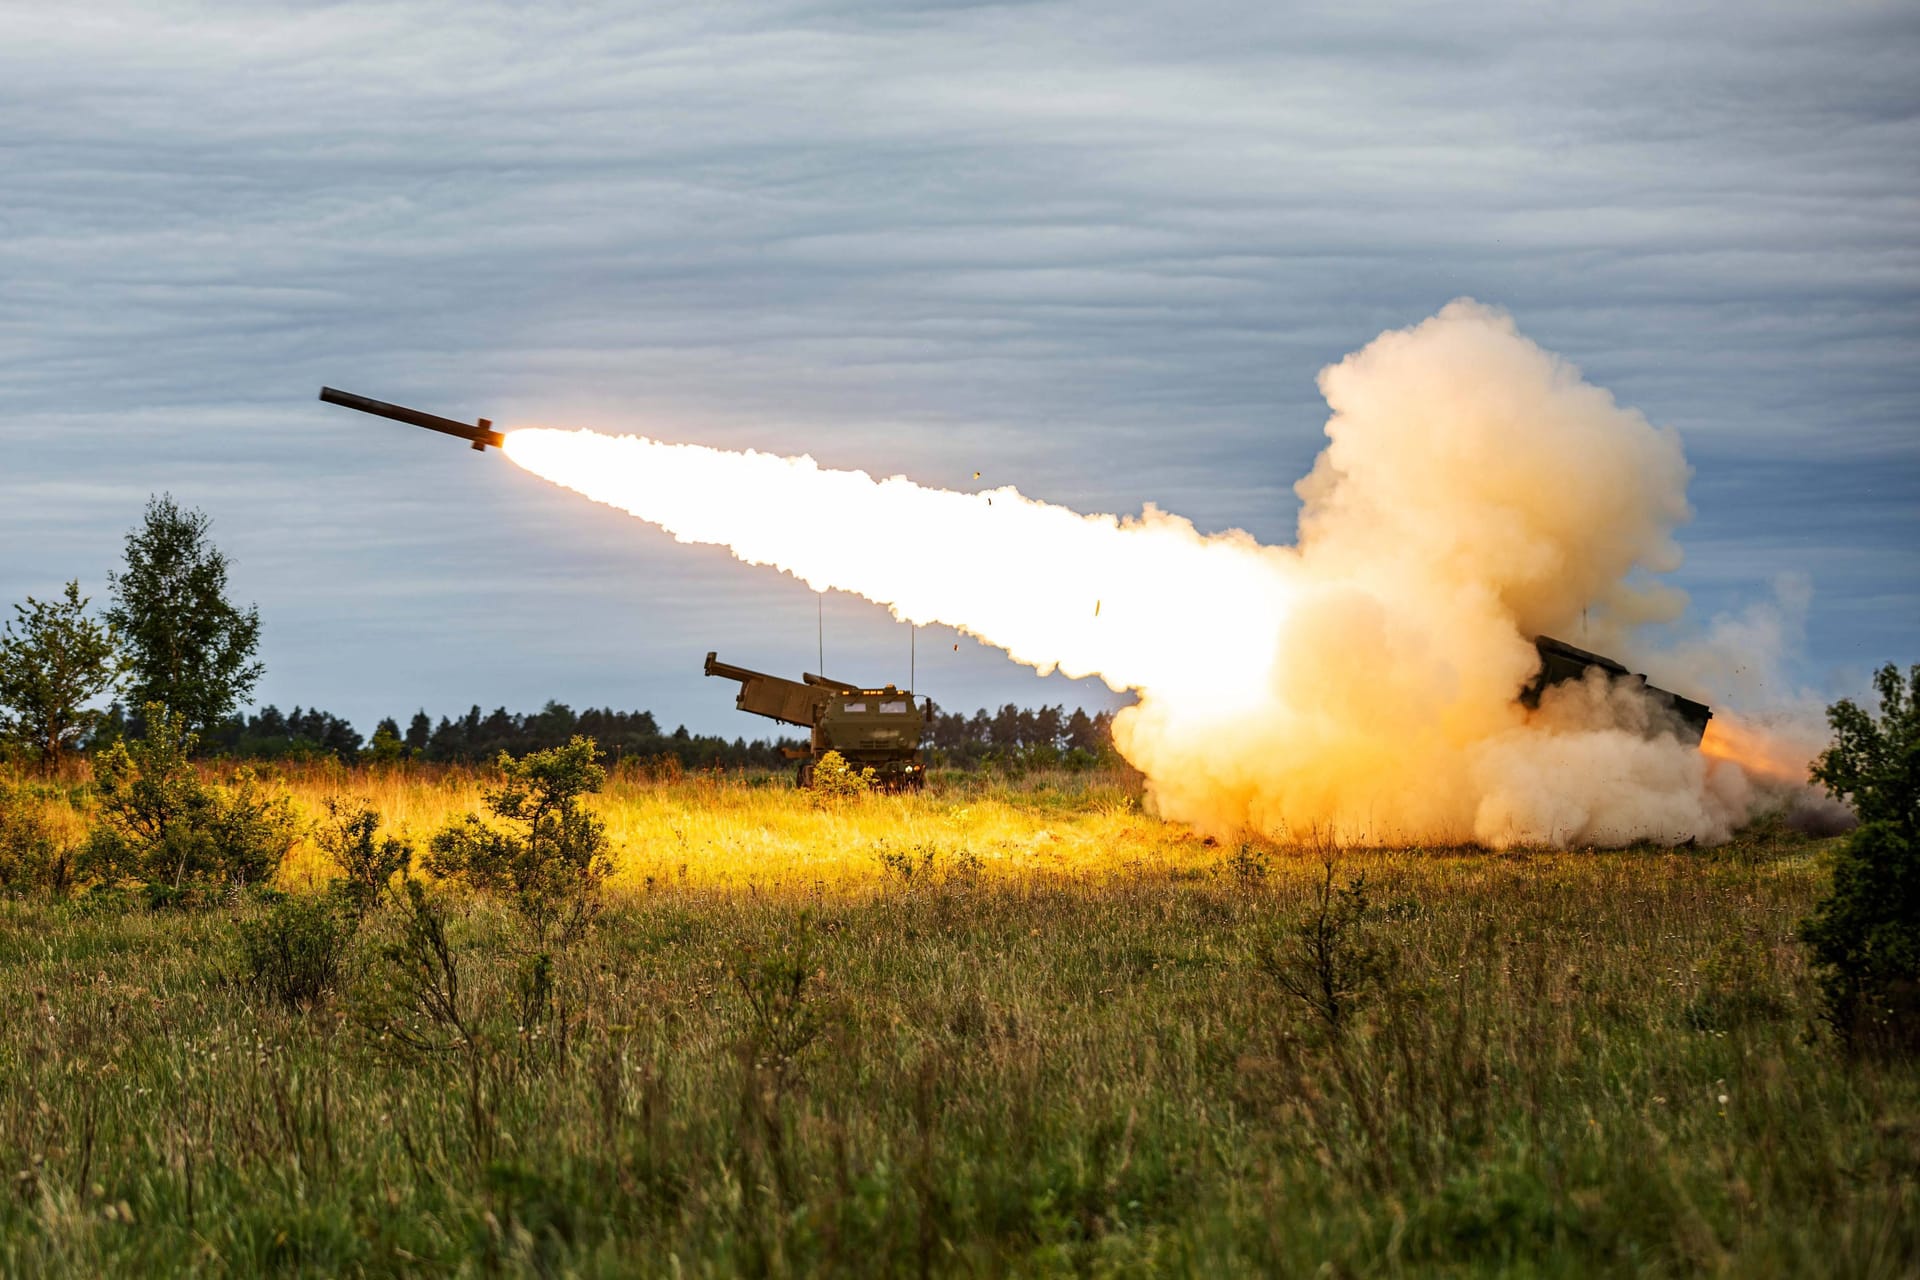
x=161 y=824
x=297 y=950
x=835 y=779
x=350 y=835
x=552 y=858
x=1865 y=934
x=1327 y=960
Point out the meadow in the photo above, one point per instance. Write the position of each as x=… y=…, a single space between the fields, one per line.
x=1007 y=1026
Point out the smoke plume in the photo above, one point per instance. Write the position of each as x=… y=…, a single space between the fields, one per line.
x=1475 y=491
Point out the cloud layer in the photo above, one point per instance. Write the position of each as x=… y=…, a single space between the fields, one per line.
x=1099 y=251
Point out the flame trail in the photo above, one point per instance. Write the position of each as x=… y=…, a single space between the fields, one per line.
x=1475 y=492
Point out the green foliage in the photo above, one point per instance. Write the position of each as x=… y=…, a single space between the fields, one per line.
x=1049 y=1075
x=1248 y=865
x=350 y=836
x=1329 y=961
x=160 y=823
x=775 y=982
x=835 y=779
x=552 y=855
x=386 y=747
x=1865 y=934
x=58 y=661
x=1874 y=761
x=296 y=950
x=188 y=647
x=1737 y=986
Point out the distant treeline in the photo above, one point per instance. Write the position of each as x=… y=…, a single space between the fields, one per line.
x=1034 y=733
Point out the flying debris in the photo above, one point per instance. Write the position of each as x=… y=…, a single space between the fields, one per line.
x=479 y=435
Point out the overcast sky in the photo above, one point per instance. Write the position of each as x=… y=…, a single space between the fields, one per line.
x=1098 y=251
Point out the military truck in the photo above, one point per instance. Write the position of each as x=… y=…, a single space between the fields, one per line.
x=878 y=729
x=1561 y=662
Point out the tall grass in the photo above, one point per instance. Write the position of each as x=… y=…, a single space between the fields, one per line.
x=987 y=1029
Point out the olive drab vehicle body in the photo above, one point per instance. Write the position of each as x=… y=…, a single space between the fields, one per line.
x=1561 y=663
x=878 y=729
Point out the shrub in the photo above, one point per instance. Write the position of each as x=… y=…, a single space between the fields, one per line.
x=1865 y=934
x=160 y=823
x=552 y=857
x=350 y=835
x=1248 y=865
x=835 y=779
x=296 y=951
x=1327 y=960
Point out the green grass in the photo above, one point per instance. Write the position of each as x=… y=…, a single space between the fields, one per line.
x=1025 y=1062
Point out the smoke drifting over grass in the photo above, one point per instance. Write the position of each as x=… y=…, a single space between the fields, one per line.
x=1475 y=492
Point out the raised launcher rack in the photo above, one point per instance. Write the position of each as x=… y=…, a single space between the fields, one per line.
x=878 y=729
x=1561 y=662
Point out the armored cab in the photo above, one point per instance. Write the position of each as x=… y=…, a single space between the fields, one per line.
x=878 y=729
x=1561 y=662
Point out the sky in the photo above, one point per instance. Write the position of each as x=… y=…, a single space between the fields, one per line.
x=1099 y=251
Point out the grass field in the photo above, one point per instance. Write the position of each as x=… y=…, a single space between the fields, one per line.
x=1000 y=1027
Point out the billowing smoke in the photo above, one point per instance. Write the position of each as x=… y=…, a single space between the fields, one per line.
x=1475 y=492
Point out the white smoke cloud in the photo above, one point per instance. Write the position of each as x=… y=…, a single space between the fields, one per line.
x=1475 y=492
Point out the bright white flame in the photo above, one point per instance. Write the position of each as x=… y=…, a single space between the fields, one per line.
x=1129 y=600
x=1475 y=492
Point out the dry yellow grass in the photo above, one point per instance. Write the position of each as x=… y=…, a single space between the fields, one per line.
x=740 y=832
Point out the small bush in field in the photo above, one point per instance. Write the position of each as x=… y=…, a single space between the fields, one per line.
x=350 y=835
x=1248 y=865
x=159 y=823
x=835 y=779
x=775 y=984
x=1328 y=960
x=551 y=858
x=297 y=950
x=1865 y=934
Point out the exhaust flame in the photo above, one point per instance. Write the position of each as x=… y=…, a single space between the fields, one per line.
x=1475 y=492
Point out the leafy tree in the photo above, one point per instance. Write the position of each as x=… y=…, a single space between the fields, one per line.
x=386 y=746
x=58 y=661
x=1865 y=934
x=158 y=822
x=189 y=648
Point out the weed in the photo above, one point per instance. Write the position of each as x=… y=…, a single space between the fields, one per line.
x=31 y=857
x=1248 y=865
x=1327 y=960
